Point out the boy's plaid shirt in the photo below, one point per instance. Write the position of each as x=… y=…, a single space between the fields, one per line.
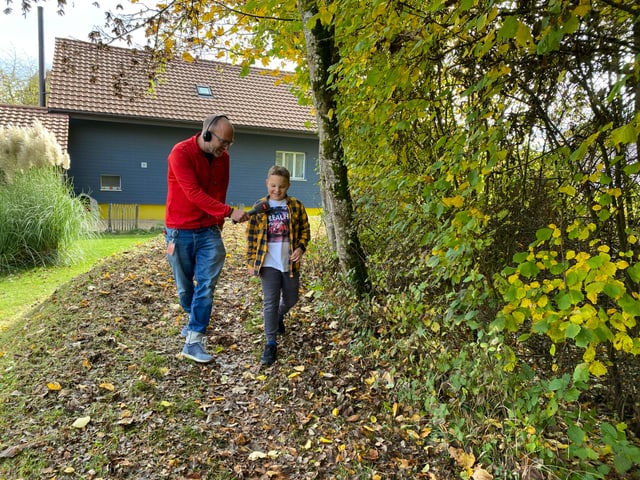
x=299 y=234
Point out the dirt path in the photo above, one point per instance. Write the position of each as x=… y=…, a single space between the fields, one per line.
x=105 y=347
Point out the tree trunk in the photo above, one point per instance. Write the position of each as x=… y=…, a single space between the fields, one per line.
x=322 y=53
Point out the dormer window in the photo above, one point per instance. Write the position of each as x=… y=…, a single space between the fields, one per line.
x=204 y=90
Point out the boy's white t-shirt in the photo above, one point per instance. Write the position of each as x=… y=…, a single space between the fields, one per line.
x=278 y=236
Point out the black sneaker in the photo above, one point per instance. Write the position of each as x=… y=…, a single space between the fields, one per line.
x=269 y=355
x=281 y=329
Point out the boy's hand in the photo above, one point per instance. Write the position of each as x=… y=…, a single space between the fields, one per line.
x=297 y=255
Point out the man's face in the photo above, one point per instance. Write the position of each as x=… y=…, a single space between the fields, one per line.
x=221 y=139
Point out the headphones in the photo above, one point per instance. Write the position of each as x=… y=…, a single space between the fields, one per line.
x=206 y=134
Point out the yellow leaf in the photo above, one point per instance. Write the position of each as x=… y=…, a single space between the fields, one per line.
x=325 y=440
x=54 y=386
x=597 y=368
x=81 y=422
x=165 y=403
x=413 y=435
x=335 y=412
x=299 y=368
x=107 y=386
x=456 y=201
x=568 y=189
x=294 y=374
x=464 y=459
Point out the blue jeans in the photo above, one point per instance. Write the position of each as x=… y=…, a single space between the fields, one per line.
x=280 y=293
x=196 y=258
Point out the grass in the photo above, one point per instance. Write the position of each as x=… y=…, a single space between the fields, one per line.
x=20 y=291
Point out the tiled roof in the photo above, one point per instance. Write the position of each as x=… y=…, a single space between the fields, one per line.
x=112 y=81
x=24 y=116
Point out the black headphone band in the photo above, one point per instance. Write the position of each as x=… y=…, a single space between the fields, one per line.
x=206 y=134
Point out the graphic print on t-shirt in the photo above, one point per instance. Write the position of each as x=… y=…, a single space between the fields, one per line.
x=278 y=230
x=278 y=236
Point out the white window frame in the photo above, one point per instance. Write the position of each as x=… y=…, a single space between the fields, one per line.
x=110 y=183
x=295 y=162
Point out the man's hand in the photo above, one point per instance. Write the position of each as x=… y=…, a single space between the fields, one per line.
x=239 y=216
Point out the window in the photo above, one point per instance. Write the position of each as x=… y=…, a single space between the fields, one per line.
x=110 y=183
x=204 y=90
x=292 y=161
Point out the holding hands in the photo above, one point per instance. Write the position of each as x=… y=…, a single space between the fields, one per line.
x=239 y=216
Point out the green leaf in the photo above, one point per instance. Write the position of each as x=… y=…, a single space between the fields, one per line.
x=584 y=338
x=544 y=234
x=509 y=28
x=572 y=330
x=520 y=257
x=624 y=135
x=529 y=269
x=563 y=301
x=581 y=373
x=630 y=305
x=632 y=169
x=634 y=272
x=576 y=434
x=613 y=290
x=622 y=463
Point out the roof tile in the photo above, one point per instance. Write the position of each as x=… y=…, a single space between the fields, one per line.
x=25 y=115
x=113 y=81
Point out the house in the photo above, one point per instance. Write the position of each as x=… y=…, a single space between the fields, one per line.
x=26 y=115
x=121 y=131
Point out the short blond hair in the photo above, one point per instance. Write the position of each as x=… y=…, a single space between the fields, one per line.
x=280 y=171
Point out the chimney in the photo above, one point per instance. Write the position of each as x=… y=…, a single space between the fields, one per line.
x=41 y=73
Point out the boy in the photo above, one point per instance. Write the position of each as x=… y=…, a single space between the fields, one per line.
x=276 y=242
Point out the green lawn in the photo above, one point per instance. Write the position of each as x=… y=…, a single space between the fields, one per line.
x=20 y=291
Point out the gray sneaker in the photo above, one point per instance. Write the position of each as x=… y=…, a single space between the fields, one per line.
x=194 y=348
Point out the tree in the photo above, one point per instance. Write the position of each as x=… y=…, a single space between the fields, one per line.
x=19 y=84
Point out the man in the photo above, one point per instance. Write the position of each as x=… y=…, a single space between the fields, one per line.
x=198 y=177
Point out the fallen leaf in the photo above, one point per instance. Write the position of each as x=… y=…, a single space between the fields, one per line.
x=464 y=459
x=257 y=455
x=54 y=386
x=81 y=422
x=481 y=474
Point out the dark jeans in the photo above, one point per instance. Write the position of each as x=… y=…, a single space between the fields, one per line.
x=196 y=261
x=280 y=293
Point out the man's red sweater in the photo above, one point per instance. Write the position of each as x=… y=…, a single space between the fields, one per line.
x=197 y=187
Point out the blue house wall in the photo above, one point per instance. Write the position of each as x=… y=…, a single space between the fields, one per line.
x=138 y=155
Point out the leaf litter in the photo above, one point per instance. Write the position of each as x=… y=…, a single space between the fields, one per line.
x=97 y=389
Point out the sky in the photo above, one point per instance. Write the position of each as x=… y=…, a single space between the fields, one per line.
x=19 y=33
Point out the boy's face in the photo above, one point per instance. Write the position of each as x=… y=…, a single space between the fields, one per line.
x=277 y=187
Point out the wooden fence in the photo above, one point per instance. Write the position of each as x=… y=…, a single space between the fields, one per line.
x=123 y=217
